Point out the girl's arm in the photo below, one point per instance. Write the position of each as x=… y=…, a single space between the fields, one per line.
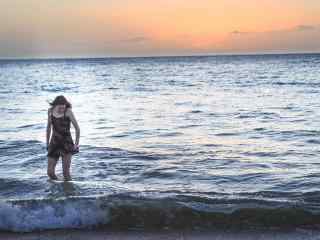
x=75 y=124
x=48 y=128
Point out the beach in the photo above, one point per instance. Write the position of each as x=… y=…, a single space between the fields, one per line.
x=298 y=234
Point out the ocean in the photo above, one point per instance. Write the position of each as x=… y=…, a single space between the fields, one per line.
x=166 y=142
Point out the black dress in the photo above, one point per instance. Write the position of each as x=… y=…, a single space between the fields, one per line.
x=61 y=140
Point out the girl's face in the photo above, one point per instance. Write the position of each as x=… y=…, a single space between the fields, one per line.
x=60 y=108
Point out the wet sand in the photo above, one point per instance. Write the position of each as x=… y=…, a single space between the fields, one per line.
x=297 y=234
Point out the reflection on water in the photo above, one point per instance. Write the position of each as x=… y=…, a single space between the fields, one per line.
x=190 y=125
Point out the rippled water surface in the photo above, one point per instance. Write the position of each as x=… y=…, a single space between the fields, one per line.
x=227 y=127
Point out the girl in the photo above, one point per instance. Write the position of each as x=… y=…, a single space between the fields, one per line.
x=61 y=144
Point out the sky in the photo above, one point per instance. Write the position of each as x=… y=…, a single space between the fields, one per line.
x=120 y=28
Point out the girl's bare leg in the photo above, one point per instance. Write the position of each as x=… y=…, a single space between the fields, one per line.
x=66 y=162
x=52 y=162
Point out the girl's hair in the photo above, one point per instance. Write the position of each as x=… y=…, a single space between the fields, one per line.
x=60 y=100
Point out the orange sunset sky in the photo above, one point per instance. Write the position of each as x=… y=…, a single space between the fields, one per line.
x=103 y=28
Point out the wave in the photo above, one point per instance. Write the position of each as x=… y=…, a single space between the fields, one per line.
x=296 y=83
x=126 y=211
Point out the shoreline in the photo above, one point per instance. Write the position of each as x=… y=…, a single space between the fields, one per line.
x=98 y=234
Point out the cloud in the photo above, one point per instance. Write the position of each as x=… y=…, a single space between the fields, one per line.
x=99 y=44
x=239 y=32
x=136 y=39
x=304 y=28
x=298 y=28
x=129 y=40
x=297 y=38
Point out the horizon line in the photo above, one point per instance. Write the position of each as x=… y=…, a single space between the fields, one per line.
x=154 y=56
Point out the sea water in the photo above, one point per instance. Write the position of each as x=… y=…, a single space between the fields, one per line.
x=164 y=141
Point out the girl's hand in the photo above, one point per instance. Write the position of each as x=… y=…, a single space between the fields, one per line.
x=76 y=147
